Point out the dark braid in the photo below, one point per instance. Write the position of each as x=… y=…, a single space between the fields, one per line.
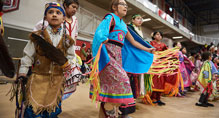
x=64 y=35
x=43 y=27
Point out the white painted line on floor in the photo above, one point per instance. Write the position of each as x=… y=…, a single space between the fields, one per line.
x=17 y=39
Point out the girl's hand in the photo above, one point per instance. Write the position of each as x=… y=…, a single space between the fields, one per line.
x=151 y=50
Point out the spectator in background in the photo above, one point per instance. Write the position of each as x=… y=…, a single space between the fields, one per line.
x=212 y=51
x=83 y=56
x=196 y=71
x=218 y=49
x=193 y=74
x=192 y=57
x=216 y=62
x=83 y=53
x=89 y=55
x=205 y=48
x=198 y=63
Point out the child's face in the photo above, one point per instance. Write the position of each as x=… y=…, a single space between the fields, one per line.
x=54 y=17
x=194 y=55
x=184 y=50
x=210 y=58
x=217 y=60
x=213 y=49
x=137 y=21
x=71 y=9
x=179 y=45
x=158 y=36
x=199 y=57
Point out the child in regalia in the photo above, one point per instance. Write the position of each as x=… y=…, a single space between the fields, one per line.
x=136 y=80
x=158 y=82
x=115 y=88
x=206 y=75
x=45 y=86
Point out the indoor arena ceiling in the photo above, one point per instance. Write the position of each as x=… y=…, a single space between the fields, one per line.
x=202 y=5
x=207 y=11
x=154 y=24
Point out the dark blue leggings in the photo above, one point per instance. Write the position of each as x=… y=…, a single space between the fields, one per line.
x=29 y=113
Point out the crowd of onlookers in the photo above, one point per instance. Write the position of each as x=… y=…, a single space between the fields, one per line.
x=204 y=73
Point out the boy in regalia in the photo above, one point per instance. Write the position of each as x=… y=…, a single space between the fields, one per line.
x=206 y=75
x=45 y=86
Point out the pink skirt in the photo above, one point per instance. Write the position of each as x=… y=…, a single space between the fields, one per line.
x=114 y=82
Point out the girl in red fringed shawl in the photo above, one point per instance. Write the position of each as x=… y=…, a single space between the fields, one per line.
x=158 y=82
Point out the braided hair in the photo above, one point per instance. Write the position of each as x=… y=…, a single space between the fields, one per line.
x=64 y=35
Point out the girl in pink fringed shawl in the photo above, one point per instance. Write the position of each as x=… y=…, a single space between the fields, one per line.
x=186 y=67
x=182 y=67
x=196 y=71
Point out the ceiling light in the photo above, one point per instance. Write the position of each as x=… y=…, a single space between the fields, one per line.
x=170 y=9
x=177 y=37
x=146 y=20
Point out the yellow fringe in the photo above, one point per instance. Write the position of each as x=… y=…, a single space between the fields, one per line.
x=94 y=77
x=147 y=100
x=165 y=62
